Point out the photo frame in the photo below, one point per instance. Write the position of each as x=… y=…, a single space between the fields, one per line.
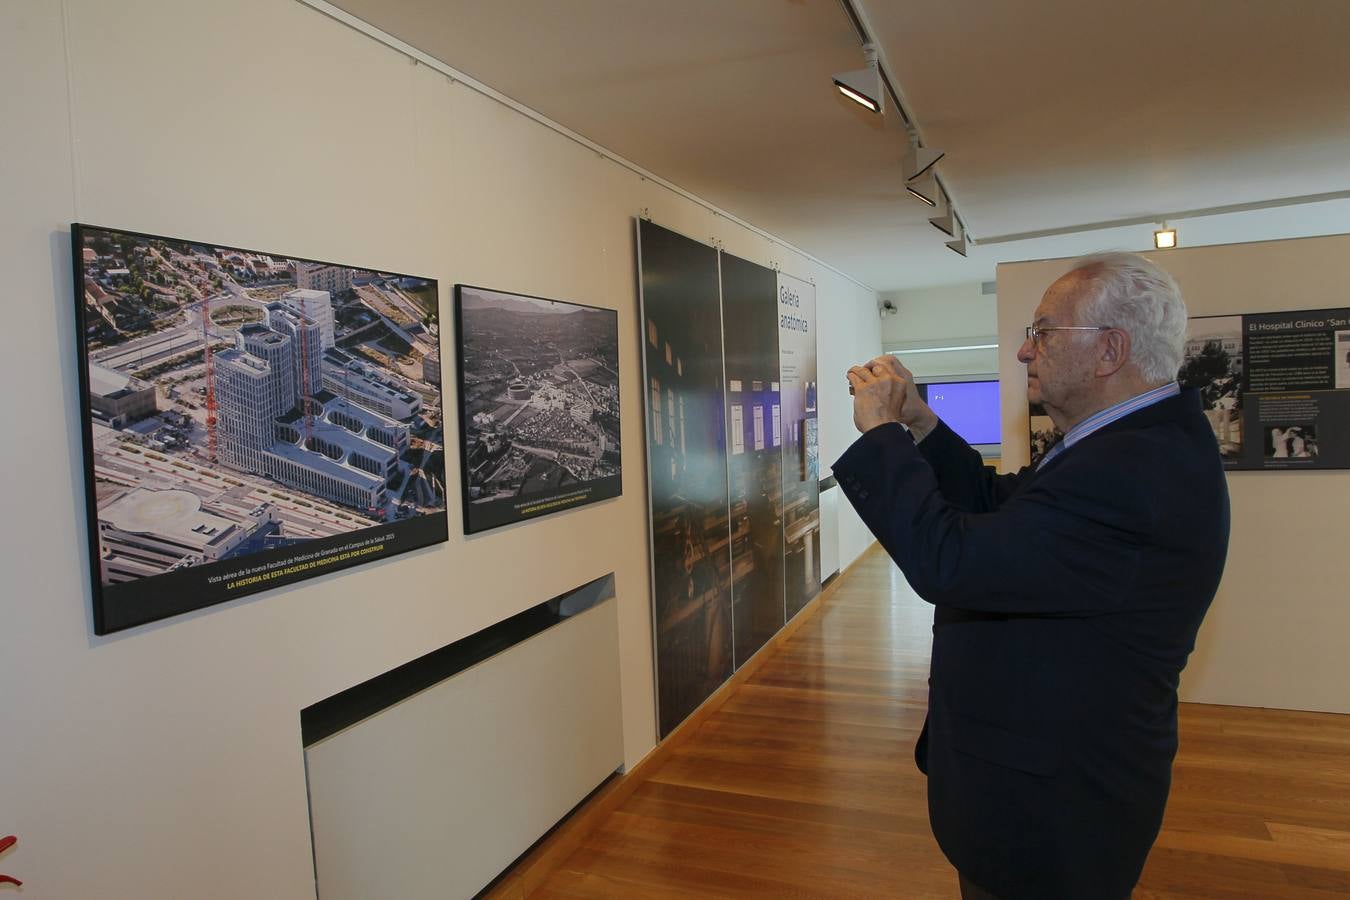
x=538 y=405
x=250 y=419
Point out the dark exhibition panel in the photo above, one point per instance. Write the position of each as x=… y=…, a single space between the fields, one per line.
x=1275 y=388
x=733 y=460
x=687 y=466
x=755 y=452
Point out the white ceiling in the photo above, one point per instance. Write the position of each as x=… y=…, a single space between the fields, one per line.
x=1054 y=113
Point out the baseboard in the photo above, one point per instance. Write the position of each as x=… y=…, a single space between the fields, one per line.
x=534 y=867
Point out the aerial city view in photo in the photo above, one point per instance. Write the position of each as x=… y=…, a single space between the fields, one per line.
x=241 y=402
x=540 y=405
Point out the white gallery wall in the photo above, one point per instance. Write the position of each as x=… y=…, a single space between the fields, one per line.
x=166 y=761
x=1276 y=634
x=948 y=315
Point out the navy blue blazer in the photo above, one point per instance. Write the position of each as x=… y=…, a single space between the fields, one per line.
x=1067 y=601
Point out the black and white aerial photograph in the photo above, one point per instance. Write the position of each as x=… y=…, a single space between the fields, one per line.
x=539 y=405
x=251 y=419
x=1213 y=365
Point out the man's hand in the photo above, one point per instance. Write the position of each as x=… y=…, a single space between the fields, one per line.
x=883 y=391
x=878 y=395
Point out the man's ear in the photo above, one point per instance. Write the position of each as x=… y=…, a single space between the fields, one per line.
x=1115 y=352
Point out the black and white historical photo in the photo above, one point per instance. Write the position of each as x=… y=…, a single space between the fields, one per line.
x=251 y=419
x=1213 y=364
x=539 y=405
x=1296 y=440
x=1342 y=360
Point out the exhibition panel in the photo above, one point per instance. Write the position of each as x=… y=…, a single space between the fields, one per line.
x=250 y=420
x=686 y=470
x=755 y=452
x=733 y=459
x=538 y=405
x=1275 y=387
x=801 y=440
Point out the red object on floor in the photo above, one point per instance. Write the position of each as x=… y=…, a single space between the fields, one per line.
x=5 y=843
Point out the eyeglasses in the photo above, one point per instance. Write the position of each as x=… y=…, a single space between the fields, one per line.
x=1034 y=332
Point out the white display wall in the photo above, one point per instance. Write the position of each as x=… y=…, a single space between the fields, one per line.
x=948 y=315
x=165 y=761
x=1275 y=636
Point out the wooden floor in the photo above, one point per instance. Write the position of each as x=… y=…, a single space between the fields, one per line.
x=803 y=785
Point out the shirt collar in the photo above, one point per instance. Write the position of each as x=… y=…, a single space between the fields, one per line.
x=1102 y=418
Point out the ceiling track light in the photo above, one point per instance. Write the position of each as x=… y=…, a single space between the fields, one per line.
x=868 y=87
x=863 y=86
x=919 y=161
x=925 y=189
x=945 y=221
x=959 y=244
x=1165 y=238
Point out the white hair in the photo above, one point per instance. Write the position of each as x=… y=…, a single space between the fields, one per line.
x=1137 y=296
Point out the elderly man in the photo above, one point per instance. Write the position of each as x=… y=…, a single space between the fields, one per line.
x=1067 y=596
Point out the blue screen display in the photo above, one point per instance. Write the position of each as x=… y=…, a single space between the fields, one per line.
x=970 y=408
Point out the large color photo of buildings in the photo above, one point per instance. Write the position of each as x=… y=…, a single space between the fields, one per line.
x=240 y=402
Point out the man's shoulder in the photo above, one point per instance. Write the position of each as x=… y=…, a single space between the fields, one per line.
x=1164 y=454
x=1172 y=427
x=1123 y=454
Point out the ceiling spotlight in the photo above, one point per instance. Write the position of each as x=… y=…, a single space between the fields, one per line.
x=959 y=245
x=863 y=86
x=1165 y=238
x=945 y=222
x=924 y=188
x=918 y=160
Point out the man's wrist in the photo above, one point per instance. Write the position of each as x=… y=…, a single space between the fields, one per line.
x=872 y=426
x=923 y=426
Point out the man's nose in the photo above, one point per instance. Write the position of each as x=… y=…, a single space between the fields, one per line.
x=1026 y=351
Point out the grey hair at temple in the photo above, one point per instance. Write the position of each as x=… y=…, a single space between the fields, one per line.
x=1137 y=296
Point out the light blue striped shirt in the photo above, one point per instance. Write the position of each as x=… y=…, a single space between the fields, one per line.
x=1101 y=419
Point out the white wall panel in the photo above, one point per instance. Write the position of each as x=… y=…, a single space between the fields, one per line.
x=433 y=796
x=165 y=761
x=850 y=333
x=1275 y=635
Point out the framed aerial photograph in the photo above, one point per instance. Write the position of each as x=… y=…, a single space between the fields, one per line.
x=539 y=405
x=250 y=419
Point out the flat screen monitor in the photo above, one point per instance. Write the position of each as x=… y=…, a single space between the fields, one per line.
x=970 y=408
